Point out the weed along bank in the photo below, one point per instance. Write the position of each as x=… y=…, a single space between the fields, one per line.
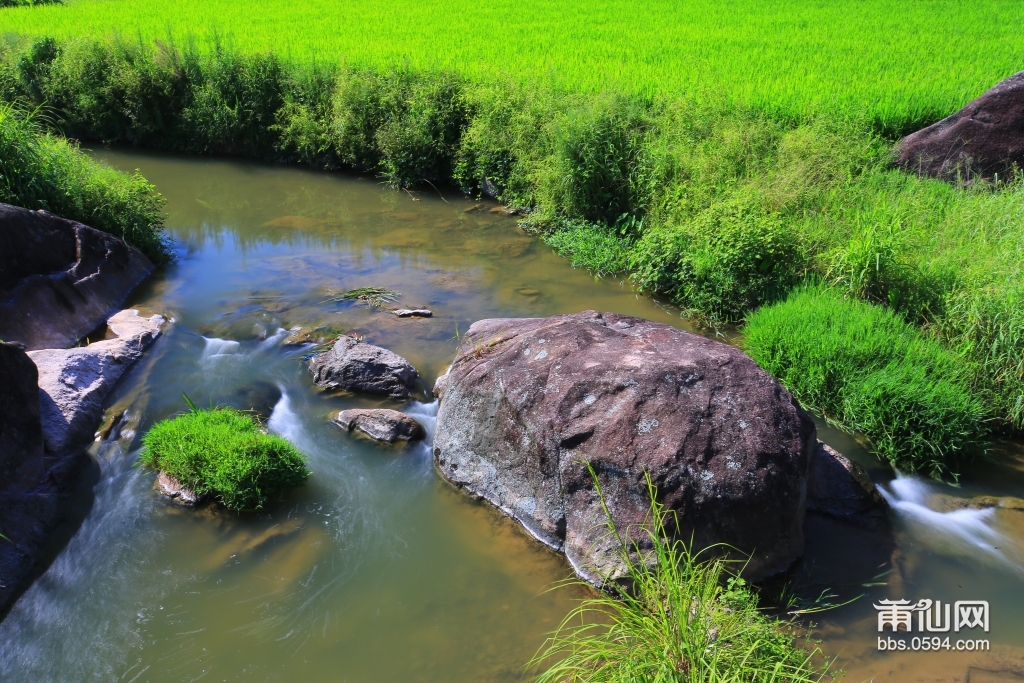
x=661 y=343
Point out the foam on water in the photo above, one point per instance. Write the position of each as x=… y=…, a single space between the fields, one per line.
x=284 y=420
x=217 y=348
x=967 y=532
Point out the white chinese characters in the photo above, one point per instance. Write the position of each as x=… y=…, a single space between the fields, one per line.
x=932 y=617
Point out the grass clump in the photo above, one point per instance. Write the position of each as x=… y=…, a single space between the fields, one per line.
x=681 y=619
x=39 y=170
x=869 y=371
x=224 y=454
x=371 y=297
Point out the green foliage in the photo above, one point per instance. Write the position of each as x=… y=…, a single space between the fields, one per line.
x=726 y=261
x=719 y=206
x=223 y=454
x=869 y=371
x=371 y=297
x=42 y=171
x=899 y=62
x=682 y=618
x=28 y=3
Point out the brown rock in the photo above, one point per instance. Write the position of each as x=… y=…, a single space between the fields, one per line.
x=354 y=365
x=380 y=424
x=529 y=401
x=173 y=489
x=986 y=137
x=60 y=279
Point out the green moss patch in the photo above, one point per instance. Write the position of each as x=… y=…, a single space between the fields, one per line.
x=869 y=371
x=223 y=454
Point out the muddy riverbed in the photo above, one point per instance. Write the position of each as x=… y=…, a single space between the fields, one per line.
x=376 y=570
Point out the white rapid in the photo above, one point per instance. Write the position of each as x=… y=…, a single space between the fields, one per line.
x=966 y=532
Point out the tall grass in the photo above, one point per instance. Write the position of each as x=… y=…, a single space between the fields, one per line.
x=681 y=618
x=902 y=62
x=867 y=369
x=43 y=171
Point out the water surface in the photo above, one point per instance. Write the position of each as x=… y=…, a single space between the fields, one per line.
x=376 y=570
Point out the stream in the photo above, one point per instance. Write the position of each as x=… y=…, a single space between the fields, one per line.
x=376 y=570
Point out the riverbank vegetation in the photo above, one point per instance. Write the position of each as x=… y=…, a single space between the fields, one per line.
x=39 y=170
x=721 y=203
x=681 y=618
x=223 y=454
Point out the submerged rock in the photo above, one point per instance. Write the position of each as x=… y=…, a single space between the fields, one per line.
x=380 y=424
x=59 y=279
x=838 y=487
x=353 y=365
x=528 y=402
x=74 y=382
x=986 y=137
x=173 y=489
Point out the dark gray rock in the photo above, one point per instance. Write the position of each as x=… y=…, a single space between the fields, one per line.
x=59 y=279
x=353 y=365
x=986 y=137
x=838 y=487
x=74 y=382
x=380 y=424
x=528 y=402
x=21 y=434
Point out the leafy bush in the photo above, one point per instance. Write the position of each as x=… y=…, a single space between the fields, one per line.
x=42 y=171
x=871 y=372
x=681 y=619
x=725 y=262
x=223 y=453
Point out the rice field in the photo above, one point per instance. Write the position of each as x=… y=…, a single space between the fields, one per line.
x=899 y=62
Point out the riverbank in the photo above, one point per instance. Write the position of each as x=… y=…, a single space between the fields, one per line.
x=720 y=208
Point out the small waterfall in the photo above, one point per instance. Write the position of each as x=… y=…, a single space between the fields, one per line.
x=284 y=421
x=966 y=532
x=217 y=348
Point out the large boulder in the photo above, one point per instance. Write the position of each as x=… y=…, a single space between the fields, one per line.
x=354 y=365
x=73 y=382
x=529 y=402
x=59 y=279
x=21 y=435
x=984 y=138
x=380 y=424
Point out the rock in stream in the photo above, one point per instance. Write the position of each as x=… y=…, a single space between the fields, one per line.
x=353 y=365
x=528 y=402
x=381 y=424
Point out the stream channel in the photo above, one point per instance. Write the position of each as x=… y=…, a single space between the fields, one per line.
x=376 y=570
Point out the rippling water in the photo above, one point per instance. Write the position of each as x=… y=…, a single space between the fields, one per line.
x=375 y=570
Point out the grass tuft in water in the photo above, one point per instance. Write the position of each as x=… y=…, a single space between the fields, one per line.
x=373 y=297
x=681 y=619
x=224 y=454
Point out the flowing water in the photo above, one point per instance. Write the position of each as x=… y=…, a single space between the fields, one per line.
x=375 y=570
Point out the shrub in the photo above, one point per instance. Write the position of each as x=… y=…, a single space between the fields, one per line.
x=681 y=619
x=725 y=262
x=223 y=453
x=42 y=171
x=869 y=371
x=588 y=246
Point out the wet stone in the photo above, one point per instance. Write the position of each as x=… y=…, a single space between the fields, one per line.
x=380 y=424
x=414 y=313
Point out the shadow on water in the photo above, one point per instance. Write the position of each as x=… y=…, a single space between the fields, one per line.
x=375 y=570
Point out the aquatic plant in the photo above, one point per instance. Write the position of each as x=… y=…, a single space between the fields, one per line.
x=682 y=617
x=869 y=371
x=224 y=454
x=372 y=297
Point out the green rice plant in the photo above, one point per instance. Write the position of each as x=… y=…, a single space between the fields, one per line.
x=225 y=455
x=900 y=62
x=868 y=371
x=42 y=171
x=681 y=619
x=371 y=297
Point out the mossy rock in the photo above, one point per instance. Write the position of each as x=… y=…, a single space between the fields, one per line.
x=224 y=455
